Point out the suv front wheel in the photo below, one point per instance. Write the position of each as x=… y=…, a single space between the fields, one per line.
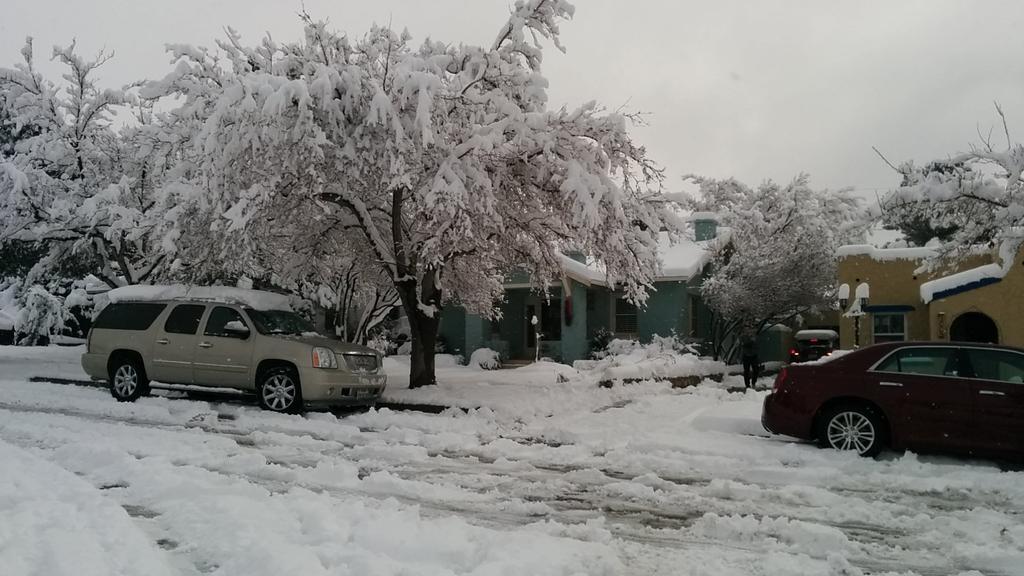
x=279 y=391
x=127 y=379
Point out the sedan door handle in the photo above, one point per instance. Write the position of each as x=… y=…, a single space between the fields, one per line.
x=205 y=345
x=891 y=384
x=991 y=393
x=162 y=341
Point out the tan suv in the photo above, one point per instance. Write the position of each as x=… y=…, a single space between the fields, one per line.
x=227 y=343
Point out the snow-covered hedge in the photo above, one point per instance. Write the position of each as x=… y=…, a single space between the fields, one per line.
x=663 y=357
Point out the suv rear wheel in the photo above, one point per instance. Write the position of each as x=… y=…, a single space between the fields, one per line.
x=278 y=390
x=855 y=427
x=127 y=379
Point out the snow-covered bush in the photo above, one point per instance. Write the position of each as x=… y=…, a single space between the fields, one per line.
x=663 y=357
x=485 y=359
x=41 y=316
x=382 y=342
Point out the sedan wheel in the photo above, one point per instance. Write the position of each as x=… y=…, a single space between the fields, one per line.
x=853 y=429
x=279 y=391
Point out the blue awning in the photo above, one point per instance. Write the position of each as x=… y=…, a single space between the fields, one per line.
x=980 y=283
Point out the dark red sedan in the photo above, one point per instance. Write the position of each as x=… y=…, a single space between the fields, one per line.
x=949 y=396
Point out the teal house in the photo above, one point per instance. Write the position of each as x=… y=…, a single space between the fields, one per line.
x=583 y=304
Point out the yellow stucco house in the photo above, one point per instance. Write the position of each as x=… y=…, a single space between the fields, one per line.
x=887 y=295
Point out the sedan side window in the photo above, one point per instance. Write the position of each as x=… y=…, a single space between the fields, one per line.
x=920 y=360
x=1000 y=365
x=226 y=323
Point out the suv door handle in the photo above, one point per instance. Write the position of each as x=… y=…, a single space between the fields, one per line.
x=891 y=384
x=991 y=393
x=205 y=345
x=162 y=341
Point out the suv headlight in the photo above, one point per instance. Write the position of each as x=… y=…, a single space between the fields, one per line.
x=324 y=358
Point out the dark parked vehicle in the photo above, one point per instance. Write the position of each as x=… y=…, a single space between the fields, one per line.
x=961 y=397
x=810 y=345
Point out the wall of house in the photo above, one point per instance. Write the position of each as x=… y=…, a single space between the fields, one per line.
x=453 y=329
x=666 y=311
x=893 y=282
x=1003 y=302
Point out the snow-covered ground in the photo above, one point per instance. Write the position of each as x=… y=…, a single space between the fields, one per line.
x=540 y=480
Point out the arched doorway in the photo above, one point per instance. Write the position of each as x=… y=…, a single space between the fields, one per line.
x=974 y=327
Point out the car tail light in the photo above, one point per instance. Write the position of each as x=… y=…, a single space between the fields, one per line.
x=780 y=379
x=794 y=352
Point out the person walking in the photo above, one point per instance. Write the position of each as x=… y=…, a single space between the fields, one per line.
x=751 y=364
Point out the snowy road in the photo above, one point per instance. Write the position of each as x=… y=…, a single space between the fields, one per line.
x=654 y=481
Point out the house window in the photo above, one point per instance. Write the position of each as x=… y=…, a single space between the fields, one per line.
x=625 y=317
x=889 y=327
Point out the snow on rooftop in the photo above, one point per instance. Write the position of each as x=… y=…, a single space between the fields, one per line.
x=819 y=334
x=886 y=254
x=982 y=275
x=681 y=260
x=257 y=299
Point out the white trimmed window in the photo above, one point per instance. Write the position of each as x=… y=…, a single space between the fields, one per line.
x=889 y=327
x=625 y=318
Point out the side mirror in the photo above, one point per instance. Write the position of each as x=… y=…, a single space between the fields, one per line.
x=236 y=329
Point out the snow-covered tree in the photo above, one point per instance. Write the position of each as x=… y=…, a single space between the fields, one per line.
x=977 y=197
x=70 y=181
x=441 y=162
x=780 y=260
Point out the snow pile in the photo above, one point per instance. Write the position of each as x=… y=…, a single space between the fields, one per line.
x=663 y=357
x=485 y=359
x=54 y=523
x=257 y=299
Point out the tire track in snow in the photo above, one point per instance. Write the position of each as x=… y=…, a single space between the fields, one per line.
x=645 y=524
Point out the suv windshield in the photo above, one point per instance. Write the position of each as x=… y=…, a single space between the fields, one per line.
x=279 y=322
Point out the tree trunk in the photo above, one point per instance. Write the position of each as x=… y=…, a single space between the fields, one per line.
x=424 y=340
x=422 y=330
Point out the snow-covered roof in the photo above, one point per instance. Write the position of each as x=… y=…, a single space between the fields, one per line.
x=962 y=281
x=680 y=261
x=819 y=334
x=257 y=299
x=881 y=237
x=886 y=254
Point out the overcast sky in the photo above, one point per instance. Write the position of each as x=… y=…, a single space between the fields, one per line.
x=748 y=89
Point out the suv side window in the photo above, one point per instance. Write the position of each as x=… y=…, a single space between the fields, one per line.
x=924 y=361
x=128 y=316
x=219 y=318
x=999 y=365
x=184 y=319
